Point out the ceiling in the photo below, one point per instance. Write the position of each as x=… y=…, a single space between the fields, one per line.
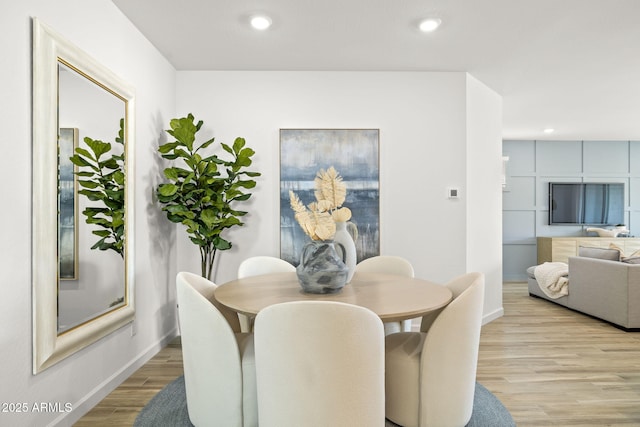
x=572 y=65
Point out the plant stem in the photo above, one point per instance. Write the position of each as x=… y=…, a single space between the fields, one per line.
x=207 y=257
x=211 y=259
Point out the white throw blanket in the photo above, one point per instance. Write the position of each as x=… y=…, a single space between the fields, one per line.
x=552 y=278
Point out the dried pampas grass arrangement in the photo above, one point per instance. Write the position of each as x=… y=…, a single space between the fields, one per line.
x=318 y=220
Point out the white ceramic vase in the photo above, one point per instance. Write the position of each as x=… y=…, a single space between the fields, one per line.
x=346 y=247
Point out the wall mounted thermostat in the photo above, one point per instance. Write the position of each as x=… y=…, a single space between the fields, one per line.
x=453 y=193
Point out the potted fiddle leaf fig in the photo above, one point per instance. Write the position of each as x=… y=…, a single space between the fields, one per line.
x=202 y=190
x=101 y=176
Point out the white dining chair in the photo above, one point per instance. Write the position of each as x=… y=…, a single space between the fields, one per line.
x=319 y=363
x=257 y=265
x=388 y=264
x=219 y=363
x=431 y=375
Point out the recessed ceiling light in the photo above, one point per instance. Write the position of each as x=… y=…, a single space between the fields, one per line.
x=260 y=22
x=430 y=24
x=549 y=130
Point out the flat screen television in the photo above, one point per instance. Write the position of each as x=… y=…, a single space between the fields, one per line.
x=586 y=203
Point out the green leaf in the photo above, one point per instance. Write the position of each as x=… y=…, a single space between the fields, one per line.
x=168 y=147
x=118 y=177
x=242 y=198
x=221 y=244
x=115 y=195
x=98 y=147
x=88 y=184
x=208 y=217
x=198 y=241
x=168 y=199
x=206 y=144
x=167 y=189
x=99 y=244
x=171 y=173
x=184 y=130
x=92 y=195
x=177 y=208
x=238 y=144
x=246 y=152
x=83 y=152
x=120 y=136
x=226 y=148
x=118 y=222
x=110 y=164
x=175 y=218
x=170 y=156
x=82 y=162
x=246 y=184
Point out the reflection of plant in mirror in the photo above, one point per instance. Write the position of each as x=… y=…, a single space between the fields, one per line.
x=102 y=179
x=200 y=196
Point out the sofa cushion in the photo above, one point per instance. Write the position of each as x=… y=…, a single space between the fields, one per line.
x=600 y=253
x=631 y=260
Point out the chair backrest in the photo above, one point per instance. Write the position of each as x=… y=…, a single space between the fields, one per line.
x=206 y=288
x=450 y=355
x=386 y=264
x=263 y=265
x=319 y=363
x=211 y=358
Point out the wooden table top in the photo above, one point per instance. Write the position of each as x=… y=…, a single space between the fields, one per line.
x=391 y=297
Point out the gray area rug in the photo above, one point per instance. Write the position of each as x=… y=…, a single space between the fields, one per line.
x=169 y=409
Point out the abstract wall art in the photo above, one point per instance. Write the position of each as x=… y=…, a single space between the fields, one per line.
x=354 y=153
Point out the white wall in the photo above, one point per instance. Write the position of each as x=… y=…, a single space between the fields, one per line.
x=83 y=379
x=484 y=198
x=427 y=123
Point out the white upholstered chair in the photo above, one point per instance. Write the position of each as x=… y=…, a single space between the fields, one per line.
x=431 y=375
x=319 y=363
x=219 y=364
x=387 y=264
x=254 y=266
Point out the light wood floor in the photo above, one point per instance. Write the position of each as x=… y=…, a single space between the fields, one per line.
x=552 y=366
x=121 y=406
x=548 y=365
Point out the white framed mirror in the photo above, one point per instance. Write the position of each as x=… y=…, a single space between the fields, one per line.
x=82 y=257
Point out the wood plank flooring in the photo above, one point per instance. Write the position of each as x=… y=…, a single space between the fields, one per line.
x=121 y=406
x=554 y=367
x=549 y=366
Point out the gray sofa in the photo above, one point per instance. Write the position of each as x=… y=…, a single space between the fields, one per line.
x=606 y=289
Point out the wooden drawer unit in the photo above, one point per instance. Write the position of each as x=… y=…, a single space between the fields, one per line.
x=559 y=249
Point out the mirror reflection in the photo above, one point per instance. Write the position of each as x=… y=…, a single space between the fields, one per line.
x=83 y=271
x=91 y=272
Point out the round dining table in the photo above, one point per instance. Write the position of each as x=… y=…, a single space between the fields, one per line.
x=391 y=297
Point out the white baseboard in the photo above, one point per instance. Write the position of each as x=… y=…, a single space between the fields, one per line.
x=91 y=399
x=490 y=317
